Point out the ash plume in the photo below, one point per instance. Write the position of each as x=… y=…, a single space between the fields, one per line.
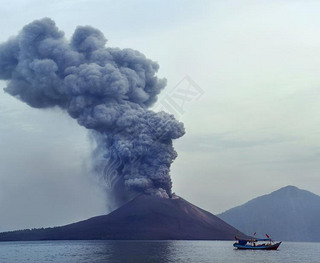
x=108 y=91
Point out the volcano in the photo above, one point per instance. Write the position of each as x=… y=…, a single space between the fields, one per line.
x=143 y=218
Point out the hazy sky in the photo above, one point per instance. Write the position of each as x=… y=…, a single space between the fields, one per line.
x=255 y=127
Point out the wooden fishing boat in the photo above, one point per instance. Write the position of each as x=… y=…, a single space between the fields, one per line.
x=255 y=245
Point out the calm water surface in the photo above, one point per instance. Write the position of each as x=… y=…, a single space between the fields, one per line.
x=151 y=251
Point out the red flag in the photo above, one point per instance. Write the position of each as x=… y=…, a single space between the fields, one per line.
x=267 y=236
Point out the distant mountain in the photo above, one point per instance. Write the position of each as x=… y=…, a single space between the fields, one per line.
x=145 y=217
x=289 y=214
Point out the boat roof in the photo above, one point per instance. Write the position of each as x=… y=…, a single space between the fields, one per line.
x=255 y=239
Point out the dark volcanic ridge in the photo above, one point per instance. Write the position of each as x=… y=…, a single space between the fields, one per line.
x=143 y=218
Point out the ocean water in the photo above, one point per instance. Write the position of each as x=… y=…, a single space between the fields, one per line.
x=151 y=251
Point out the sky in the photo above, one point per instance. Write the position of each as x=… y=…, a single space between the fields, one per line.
x=251 y=113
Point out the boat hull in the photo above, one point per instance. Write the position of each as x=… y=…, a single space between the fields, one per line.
x=258 y=247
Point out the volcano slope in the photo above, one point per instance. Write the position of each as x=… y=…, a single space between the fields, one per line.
x=143 y=218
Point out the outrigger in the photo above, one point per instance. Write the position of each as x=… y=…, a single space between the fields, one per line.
x=253 y=244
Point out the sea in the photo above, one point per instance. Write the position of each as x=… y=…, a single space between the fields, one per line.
x=152 y=251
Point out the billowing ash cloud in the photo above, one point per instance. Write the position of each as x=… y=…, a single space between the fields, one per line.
x=107 y=90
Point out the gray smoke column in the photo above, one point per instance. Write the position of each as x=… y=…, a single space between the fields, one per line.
x=107 y=90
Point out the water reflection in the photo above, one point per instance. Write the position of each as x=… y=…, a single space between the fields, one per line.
x=138 y=251
x=151 y=251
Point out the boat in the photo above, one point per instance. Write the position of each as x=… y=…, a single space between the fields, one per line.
x=255 y=244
